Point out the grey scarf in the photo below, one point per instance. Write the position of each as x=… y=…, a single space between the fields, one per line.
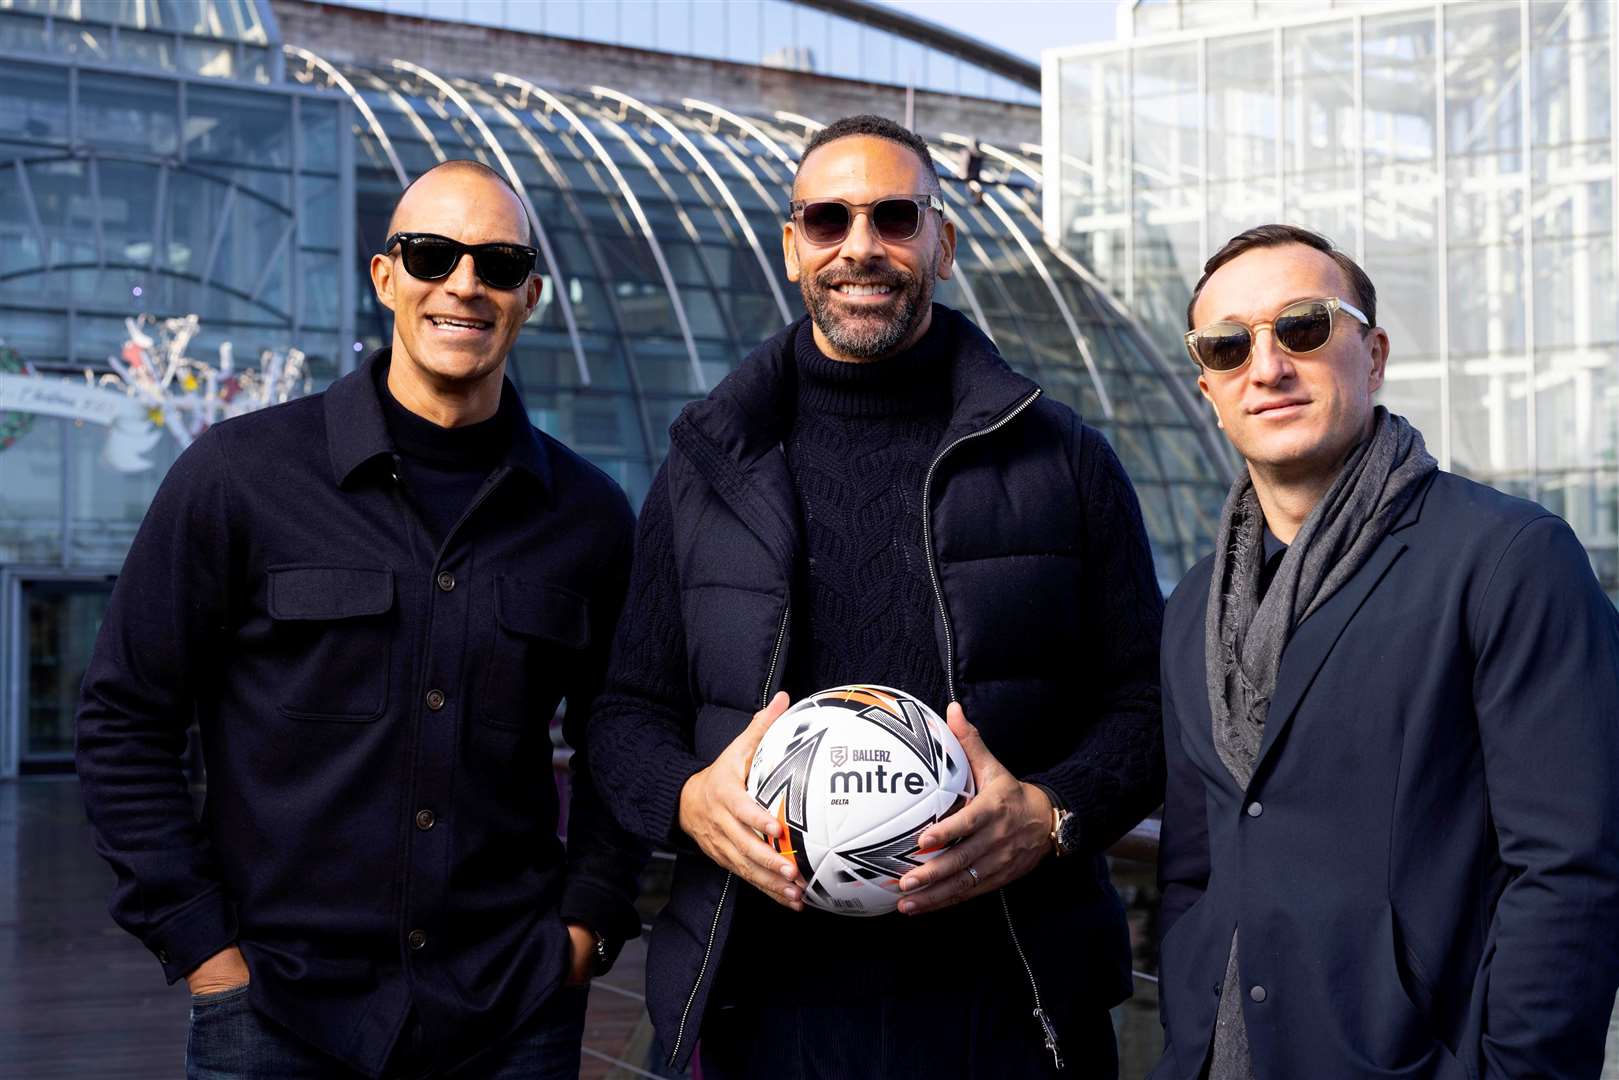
x=1244 y=634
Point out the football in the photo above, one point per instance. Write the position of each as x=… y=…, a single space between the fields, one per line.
x=855 y=775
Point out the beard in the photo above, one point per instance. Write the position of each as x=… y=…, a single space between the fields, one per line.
x=868 y=334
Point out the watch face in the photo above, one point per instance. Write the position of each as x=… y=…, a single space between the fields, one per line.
x=1067 y=834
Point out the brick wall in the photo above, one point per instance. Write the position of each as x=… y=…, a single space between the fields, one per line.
x=349 y=35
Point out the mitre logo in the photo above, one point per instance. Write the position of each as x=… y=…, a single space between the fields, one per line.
x=840 y=754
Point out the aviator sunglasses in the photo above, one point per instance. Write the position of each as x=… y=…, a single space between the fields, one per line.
x=1300 y=328
x=430 y=257
x=898 y=218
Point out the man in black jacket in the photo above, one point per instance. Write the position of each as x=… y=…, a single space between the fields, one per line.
x=1391 y=709
x=874 y=496
x=372 y=601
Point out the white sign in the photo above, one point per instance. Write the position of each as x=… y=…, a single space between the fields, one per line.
x=131 y=433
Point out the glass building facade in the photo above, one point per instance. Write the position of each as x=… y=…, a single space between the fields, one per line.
x=252 y=192
x=1464 y=152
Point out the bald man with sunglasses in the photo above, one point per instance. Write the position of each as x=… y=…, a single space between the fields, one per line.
x=1391 y=715
x=371 y=601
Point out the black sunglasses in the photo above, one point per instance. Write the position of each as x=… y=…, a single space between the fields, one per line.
x=430 y=257
x=897 y=218
x=1300 y=328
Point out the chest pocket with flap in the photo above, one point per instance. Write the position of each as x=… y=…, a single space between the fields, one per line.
x=541 y=634
x=332 y=637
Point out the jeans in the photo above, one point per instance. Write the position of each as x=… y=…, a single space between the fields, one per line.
x=228 y=1040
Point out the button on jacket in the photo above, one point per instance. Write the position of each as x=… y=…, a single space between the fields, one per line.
x=380 y=830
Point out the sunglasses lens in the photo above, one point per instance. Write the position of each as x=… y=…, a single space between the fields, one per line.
x=427 y=258
x=1304 y=327
x=1223 y=346
x=503 y=266
x=825 y=222
x=896 y=219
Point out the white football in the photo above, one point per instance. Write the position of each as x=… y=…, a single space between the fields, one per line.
x=855 y=775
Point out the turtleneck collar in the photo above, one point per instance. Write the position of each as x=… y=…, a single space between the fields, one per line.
x=474 y=445
x=914 y=381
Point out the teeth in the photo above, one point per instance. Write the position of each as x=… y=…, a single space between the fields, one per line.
x=864 y=290
x=458 y=322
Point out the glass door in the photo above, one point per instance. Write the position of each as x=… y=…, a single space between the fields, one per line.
x=59 y=623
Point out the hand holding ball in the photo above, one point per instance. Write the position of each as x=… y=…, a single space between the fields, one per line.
x=851 y=778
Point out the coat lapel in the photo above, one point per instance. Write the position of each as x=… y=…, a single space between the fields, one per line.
x=1315 y=637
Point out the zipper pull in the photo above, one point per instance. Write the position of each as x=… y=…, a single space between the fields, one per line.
x=1051 y=1038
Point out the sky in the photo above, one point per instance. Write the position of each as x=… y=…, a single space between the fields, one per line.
x=1022 y=27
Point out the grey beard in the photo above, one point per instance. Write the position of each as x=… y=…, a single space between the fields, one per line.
x=868 y=339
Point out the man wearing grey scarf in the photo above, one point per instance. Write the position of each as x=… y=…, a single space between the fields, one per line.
x=1391 y=820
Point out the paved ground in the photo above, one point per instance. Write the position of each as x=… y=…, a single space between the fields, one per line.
x=80 y=998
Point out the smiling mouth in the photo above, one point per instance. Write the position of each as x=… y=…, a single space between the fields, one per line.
x=847 y=289
x=444 y=322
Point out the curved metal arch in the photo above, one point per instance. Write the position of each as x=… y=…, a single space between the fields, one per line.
x=403 y=106
x=804 y=122
x=1217 y=448
x=715 y=179
x=339 y=80
x=522 y=192
x=1044 y=273
x=558 y=106
x=746 y=125
x=147 y=268
x=645 y=161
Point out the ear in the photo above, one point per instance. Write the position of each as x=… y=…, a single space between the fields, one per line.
x=1378 y=341
x=947 y=250
x=1203 y=388
x=382 y=279
x=789 y=252
x=531 y=294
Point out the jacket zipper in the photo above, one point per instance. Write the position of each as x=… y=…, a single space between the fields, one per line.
x=1046 y=1028
x=927 y=535
x=714 y=927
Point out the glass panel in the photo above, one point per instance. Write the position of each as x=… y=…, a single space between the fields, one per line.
x=108 y=504
x=208 y=59
x=147 y=50
x=1168 y=179
x=21 y=33
x=1096 y=171
x=239 y=127
x=31 y=486
x=317 y=121
x=61 y=621
x=129 y=113
x=1400 y=137
x=1485 y=252
x=1320 y=131
x=33 y=103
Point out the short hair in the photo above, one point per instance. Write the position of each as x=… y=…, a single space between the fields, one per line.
x=469 y=165
x=878 y=127
x=1276 y=235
